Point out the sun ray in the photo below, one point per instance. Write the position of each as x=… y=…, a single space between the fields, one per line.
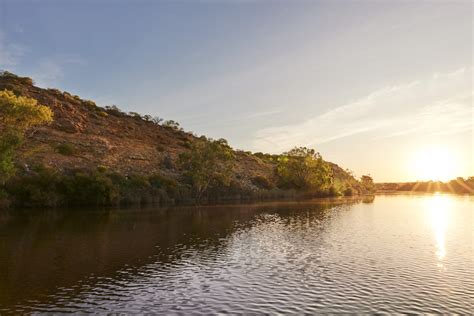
x=470 y=190
x=417 y=184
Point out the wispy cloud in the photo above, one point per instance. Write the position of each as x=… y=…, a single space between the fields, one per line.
x=441 y=103
x=10 y=53
x=48 y=73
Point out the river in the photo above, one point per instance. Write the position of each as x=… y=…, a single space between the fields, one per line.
x=391 y=253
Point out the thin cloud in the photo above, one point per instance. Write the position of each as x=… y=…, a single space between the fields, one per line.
x=389 y=112
x=48 y=73
x=444 y=118
x=10 y=53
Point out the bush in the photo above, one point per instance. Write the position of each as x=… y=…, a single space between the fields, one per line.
x=66 y=149
x=348 y=191
x=41 y=188
x=68 y=96
x=168 y=163
x=45 y=187
x=101 y=168
x=114 y=110
x=55 y=91
x=173 y=125
x=135 y=115
x=17 y=115
x=89 y=103
x=186 y=144
x=84 y=188
x=263 y=182
x=26 y=80
x=334 y=191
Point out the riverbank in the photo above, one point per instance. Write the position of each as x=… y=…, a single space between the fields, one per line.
x=87 y=155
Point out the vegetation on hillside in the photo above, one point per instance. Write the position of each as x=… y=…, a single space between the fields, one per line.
x=17 y=115
x=304 y=169
x=47 y=187
x=208 y=163
x=186 y=168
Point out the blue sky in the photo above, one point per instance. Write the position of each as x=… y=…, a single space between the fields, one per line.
x=368 y=84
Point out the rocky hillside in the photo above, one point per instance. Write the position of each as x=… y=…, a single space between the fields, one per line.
x=85 y=136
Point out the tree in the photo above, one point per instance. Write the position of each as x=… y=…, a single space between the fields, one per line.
x=304 y=168
x=157 y=120
x=171 y=125
x=367 y=182
x=208 y=163
x=17 y=115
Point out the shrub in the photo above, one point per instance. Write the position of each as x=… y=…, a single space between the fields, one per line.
x=114 y=110
x=89 y=103
x=95 y=188
x=263 y=182
x=348 y=192
x=168 y=163
x=68 y=96
x=168 y=185
x=134 y=189
x=135 y=115
x=160 y=148
x=44 y=186
x=66 y=149
x=103 y=114
x=147 y=118
x=173 y=125
x=186 y=144
x=101 y=168
x=26 y=80
x=41 y=188
x=55 y=91
x=17 y=114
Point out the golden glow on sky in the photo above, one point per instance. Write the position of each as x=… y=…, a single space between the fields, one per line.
x=434 y=163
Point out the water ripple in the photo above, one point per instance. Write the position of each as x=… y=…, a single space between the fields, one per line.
x=362 y=258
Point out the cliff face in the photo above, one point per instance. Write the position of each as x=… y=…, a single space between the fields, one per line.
x=127 y=144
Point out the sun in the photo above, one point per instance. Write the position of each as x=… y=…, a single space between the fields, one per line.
x=434 y=163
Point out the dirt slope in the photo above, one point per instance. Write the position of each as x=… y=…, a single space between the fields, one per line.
x=119 y=142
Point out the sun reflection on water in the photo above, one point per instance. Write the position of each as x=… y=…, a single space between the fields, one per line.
x=438 y=209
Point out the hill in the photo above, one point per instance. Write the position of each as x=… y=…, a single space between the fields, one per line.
x=86 y=137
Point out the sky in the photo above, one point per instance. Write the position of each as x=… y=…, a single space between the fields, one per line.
x=371 y=85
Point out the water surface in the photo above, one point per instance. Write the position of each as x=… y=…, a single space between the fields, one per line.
x=401 y=253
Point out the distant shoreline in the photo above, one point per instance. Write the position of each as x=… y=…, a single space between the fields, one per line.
x=395 y=192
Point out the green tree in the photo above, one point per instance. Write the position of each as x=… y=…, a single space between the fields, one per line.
x=367 y=182
x=17 y=115
x=208 y=163
x=304 y=168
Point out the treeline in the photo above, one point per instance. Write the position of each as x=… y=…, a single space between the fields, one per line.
x=459 y=186
x=207 y=176
x=113 y=110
